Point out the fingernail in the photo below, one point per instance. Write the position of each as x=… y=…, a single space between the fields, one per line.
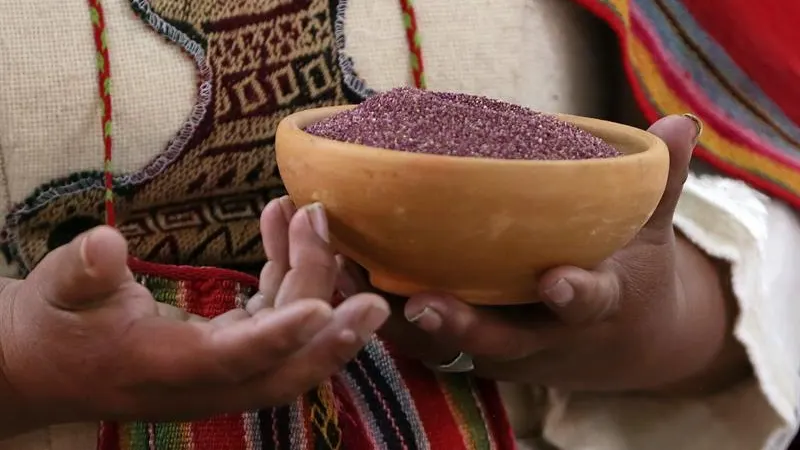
x=346 y=286
x=560 y=293
x=316 y=215
x=313 y=325
x=84 y=252
x=344 y=282
x=373 y=319
x=288 y=208
x=254 y=302
x=428 y=319
x=698 y=124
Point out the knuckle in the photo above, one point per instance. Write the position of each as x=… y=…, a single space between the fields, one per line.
x=273 y=270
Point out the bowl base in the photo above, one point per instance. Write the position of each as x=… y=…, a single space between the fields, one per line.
x=486 y=297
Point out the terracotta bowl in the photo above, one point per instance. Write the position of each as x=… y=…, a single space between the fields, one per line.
x=481 y=229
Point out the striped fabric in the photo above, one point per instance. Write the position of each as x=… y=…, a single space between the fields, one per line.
x=733 y=63
x=379 y=401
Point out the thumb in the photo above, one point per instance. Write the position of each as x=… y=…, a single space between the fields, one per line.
x=77 y=275
x=680 y=133
x=578 y=296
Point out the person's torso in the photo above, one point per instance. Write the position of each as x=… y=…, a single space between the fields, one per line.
x=198 y=87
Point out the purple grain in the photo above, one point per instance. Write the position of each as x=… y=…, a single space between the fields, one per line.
x=452 y=124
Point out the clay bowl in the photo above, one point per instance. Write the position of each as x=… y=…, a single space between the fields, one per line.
x=481 y=229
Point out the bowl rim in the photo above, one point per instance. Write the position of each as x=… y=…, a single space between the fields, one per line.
x=655 y=145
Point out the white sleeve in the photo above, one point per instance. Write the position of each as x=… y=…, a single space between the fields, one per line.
x=760 y=238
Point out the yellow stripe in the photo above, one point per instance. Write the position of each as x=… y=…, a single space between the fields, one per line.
x=623 y=9
x=669 y=103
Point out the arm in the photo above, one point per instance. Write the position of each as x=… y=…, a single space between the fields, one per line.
x=760 y=240
x=751 y=245
x=722 y=361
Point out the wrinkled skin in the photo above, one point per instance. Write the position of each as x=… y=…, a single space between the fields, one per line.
x=81 y=340
x=655 y=316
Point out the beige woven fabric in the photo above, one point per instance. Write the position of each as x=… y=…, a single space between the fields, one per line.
x=49 y=106
x=541 y=53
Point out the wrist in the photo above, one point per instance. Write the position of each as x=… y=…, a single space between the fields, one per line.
x=14 y=415
x=712 y=356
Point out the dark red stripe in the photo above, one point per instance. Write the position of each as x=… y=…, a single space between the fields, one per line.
x=223 y=432
x=496 y=415
x=762 y=39
x=437 y=419
x=108 y=436
x=354 y=430
x=651 y=113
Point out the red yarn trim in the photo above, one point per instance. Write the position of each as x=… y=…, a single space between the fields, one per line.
x=413 y=41
x=104 y=90
x=189 y=273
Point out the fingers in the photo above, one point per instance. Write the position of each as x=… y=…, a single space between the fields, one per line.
x=78 y=275
x=301 y=263
x=201 y=352
x=352 y=278
x=354 y=323
x=409 y=339
x=275 y=223
x=481 y=332
x=274 y=226
x=579 y=296
x=680 y=133
x=350 y=328
x=313 y=267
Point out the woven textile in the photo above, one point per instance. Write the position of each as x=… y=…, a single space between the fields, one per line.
x=198 y=201
x=379 y=401
x=734 y=64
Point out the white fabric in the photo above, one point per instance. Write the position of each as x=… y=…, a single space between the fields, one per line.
x=538 y=53
x=761 y=240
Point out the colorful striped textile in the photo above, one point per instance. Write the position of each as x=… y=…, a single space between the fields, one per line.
x=379 y=401
x=733 y=63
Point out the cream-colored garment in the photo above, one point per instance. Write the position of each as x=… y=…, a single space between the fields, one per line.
x=761 y=239
x=539 y=53
x=49 y=108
